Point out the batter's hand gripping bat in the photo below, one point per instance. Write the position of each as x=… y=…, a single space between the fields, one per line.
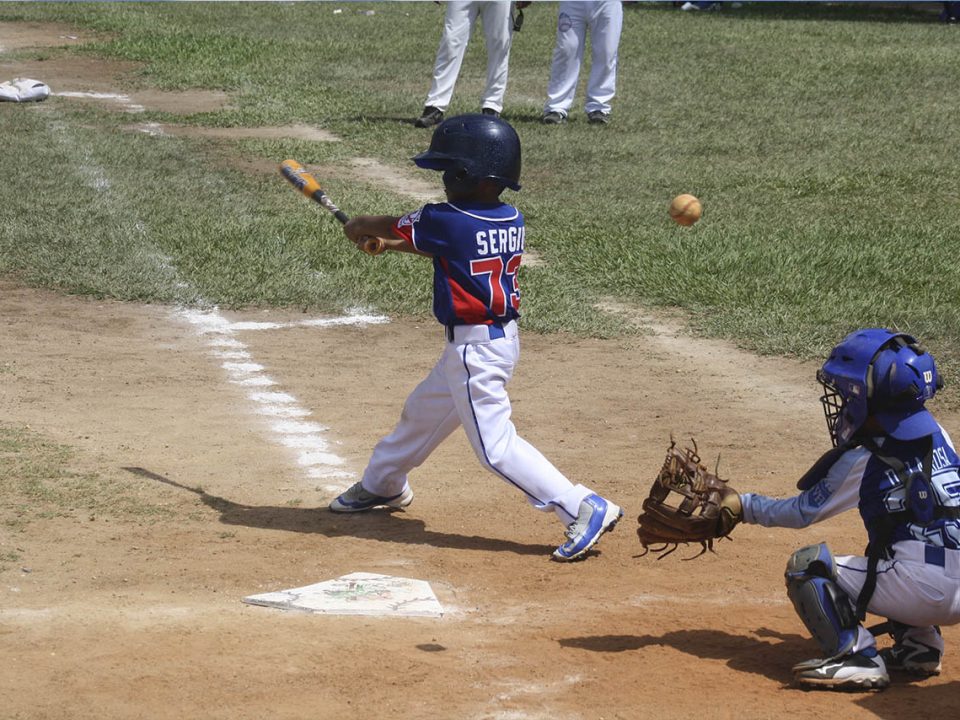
x=308 y=185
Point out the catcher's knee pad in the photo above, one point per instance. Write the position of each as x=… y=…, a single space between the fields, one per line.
x=819 y=601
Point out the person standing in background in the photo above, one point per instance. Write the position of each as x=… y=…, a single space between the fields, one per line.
x=459 y=20
x=604 y=21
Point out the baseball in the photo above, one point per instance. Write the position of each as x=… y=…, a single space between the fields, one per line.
x=685 y=209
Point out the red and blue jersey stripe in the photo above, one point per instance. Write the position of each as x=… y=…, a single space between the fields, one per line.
x=477 y=250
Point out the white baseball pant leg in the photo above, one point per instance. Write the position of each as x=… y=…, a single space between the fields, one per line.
x=567 y=56
x=498 y=31
x=427 y=419
x=467 y=387
x=606 y=23
x=909 y=591
x=457 y=24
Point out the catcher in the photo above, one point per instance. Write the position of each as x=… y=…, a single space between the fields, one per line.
x=895 y=463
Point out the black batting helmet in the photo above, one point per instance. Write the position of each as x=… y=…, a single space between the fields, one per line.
x=479 y=147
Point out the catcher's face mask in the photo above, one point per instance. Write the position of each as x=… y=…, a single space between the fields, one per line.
x=844 y=377
x=833 y=406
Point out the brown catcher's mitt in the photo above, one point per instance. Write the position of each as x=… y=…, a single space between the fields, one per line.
x=687 y=503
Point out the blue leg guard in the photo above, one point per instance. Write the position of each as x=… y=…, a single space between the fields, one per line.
x=819 y=601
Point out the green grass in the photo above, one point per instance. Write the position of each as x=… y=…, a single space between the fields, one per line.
x=38 y=480
x=819 y=138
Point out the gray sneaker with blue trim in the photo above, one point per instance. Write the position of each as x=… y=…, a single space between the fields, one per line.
x=596 y=516
x=357 y=499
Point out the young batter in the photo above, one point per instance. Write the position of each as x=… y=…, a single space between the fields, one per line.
x=895 y=463
x=476 y=243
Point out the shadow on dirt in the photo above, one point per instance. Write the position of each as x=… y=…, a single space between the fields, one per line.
x=743 y=653
x=921 y=699
x=774 y=659
x=384 y=525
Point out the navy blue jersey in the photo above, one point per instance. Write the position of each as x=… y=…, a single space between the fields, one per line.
x=476 y=249
x=882 y=492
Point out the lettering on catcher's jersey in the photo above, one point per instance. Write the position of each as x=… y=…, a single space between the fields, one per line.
x=940 y=459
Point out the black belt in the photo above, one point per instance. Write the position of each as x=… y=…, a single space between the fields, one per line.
x=495 y=329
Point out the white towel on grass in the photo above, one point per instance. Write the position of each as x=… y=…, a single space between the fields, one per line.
x=23 y=90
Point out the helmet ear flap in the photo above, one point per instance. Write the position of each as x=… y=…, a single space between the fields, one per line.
x=918 y=348
x=901 y=373
x=459 y=179
x=895 y=343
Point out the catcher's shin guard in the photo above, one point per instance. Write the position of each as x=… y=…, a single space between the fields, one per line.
x=819 y=601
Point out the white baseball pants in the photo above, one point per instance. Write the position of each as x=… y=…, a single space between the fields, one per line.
x=604 y=20
x=910 y=589
x=458 y=23
x=467 y=387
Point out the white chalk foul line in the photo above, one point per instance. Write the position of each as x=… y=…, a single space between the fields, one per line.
x=123 y=100
x=287 y=423
x=313 y=452
x=231 y=354
x=313 y=322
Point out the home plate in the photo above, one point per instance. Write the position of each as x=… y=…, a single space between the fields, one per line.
x=358 y=594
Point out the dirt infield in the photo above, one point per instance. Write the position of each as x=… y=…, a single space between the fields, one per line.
x=115 y=616
x=118 y=613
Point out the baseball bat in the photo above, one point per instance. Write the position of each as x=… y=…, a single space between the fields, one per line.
x=298 y=176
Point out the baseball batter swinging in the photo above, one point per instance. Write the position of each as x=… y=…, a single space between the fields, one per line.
x=476 y=243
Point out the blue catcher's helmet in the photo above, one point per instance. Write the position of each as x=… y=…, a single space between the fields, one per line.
x=880 y=373
x=470 y=148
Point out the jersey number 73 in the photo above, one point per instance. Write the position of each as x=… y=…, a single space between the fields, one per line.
x=501 y=281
